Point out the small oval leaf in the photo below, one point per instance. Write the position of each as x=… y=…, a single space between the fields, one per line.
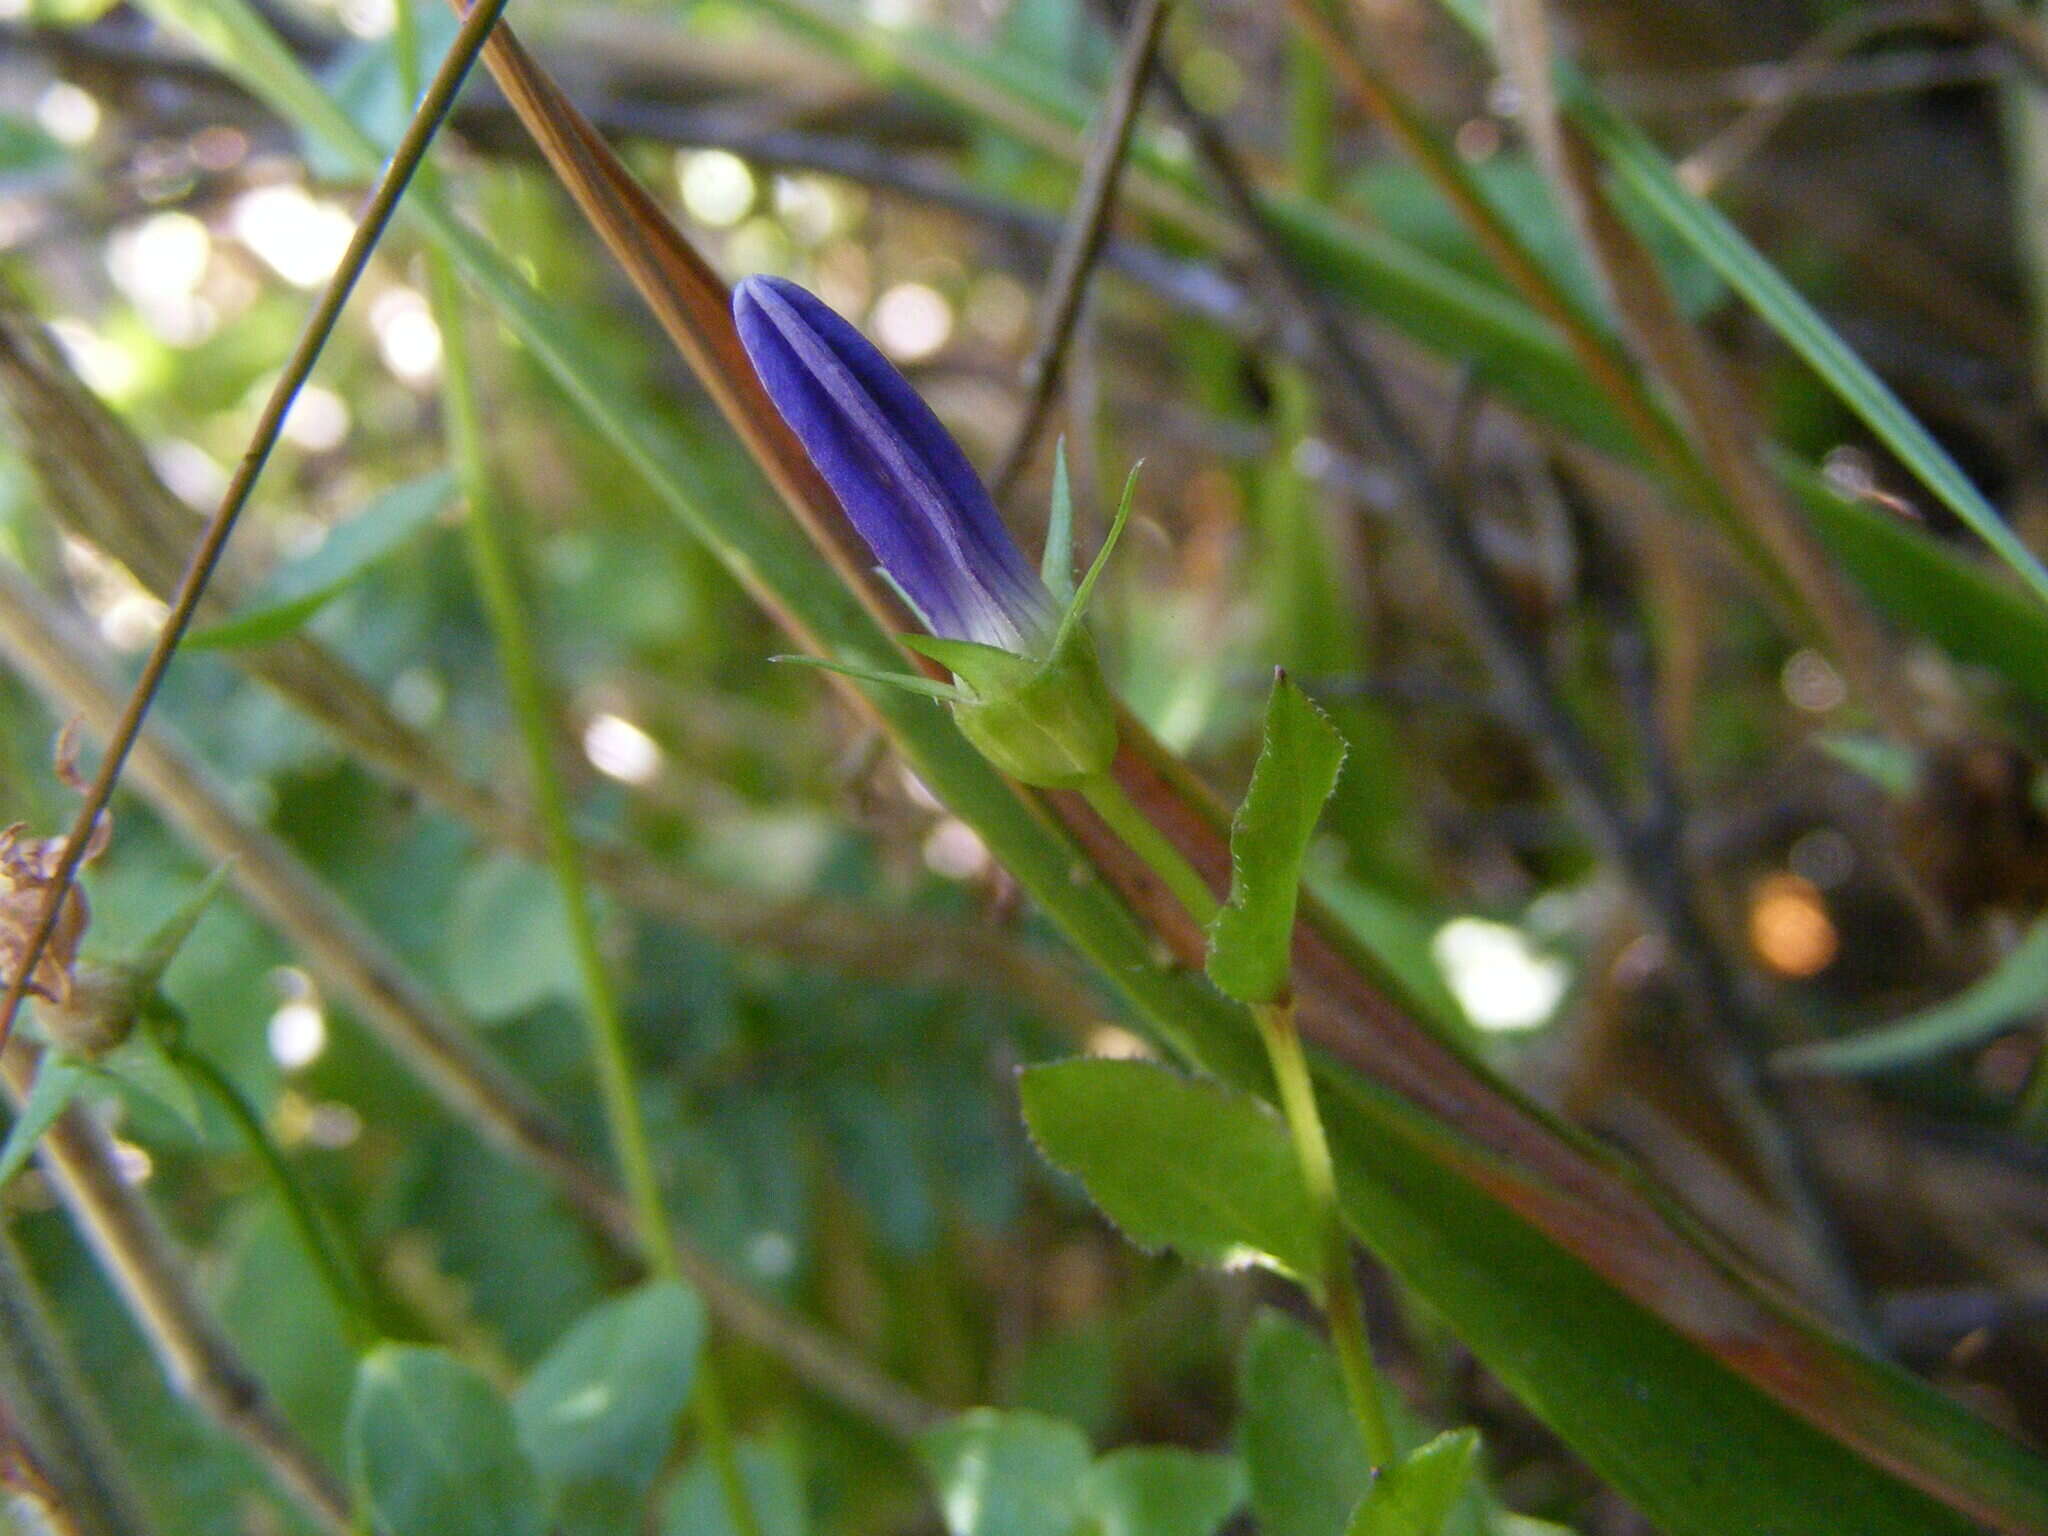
x=432 y=1449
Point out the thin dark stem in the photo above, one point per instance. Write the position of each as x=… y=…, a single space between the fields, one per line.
x=1363 y=405
x=1087 y=227
x=298 y=368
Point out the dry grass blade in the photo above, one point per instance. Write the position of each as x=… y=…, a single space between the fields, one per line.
x=1729 y=440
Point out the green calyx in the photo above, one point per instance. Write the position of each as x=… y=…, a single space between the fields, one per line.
x=1046 y=721
x=1043 y=716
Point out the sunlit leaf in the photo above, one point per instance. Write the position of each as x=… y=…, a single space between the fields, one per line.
x=606 y=1400
x=1146 y=1490
x=1415 y=1496
x=1174 y=1162
x=1006 y=1474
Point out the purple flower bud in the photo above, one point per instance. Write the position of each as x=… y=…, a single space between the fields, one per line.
x=902 y=479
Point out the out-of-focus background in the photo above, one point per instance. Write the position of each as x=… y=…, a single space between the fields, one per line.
x=827 y=984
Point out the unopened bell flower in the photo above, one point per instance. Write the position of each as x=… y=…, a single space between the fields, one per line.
x=1030 y=695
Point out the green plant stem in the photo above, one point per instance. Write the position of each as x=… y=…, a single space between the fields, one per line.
x=490 y=553
x=497 y=582
x=1339 y=1291
x=1108 y=800
x=1338 y=1285
x=337 y=1276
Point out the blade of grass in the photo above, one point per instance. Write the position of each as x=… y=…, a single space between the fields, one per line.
x=1640 y=165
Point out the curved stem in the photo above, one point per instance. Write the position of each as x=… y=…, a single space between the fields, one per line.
x=337 y=1276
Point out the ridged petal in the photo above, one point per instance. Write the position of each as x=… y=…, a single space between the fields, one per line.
x=900 y=476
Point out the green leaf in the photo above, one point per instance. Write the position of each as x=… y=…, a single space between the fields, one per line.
x=1415 y=1496
x=431 y=1448
x=507 y=947
x=58 y=1079
x=696 y=1506
x=1174 y=1162
x=2014 y=991
x=1161 y=1491
x=27 y=153
x=605 y=1401
x=1302 y=1458
x=1299 y=759
x=1006 y=1474
x=1975 y=614
x=1893 y=768
x=300 y=588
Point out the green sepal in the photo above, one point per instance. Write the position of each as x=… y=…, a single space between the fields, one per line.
x=1077 y=607
x=1057 y=729
x=903 y=680
x=1056 y=567
x=987 y=669
x=161 y=947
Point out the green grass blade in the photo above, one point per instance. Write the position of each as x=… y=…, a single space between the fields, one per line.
x=1644 y=170
x=2016 y=990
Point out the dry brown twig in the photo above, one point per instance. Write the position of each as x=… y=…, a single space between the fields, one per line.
x=1087 y=228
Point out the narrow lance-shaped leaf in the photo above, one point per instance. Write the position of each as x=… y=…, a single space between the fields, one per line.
x=300 y=588
x=2014 y=990
x=1299 y=761
x=58 y=1079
